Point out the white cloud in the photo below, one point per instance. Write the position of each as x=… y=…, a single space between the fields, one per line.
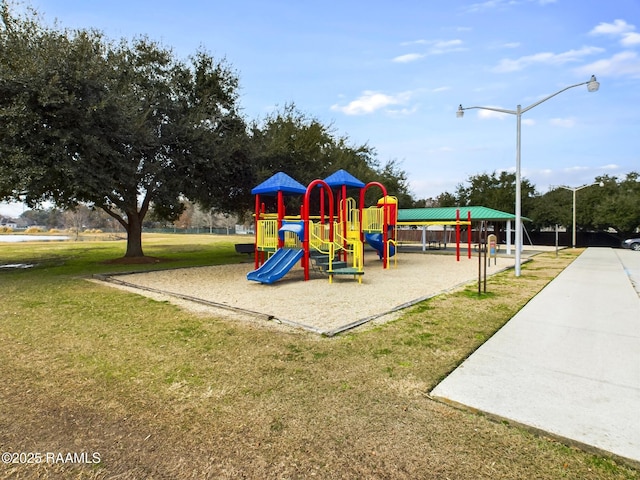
x=402 y=111
x=610 y=166
x=477 y=7
x=630 y=39
x=11 y=210
x=491 y=4
x=563 y=122
x=547 y=58
x=442 y=149
x=440 y=47
x=409 y=57
x=371 y=101
x=413 y=42
x=447 y=43
x=618 y=27
x=484 y=114
x=435 y=47
x=620 y=65
x=491 y=114
x=576 y=168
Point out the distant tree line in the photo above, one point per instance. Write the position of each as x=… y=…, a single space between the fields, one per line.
x=613 y=206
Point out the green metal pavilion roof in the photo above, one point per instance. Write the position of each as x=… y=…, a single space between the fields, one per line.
x=448 y=214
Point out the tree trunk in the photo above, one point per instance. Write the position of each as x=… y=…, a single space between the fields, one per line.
x=134 y=235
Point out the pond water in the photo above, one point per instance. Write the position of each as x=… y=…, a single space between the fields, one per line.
x=32 y=238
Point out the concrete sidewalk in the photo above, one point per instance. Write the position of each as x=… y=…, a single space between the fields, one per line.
x=568 y=363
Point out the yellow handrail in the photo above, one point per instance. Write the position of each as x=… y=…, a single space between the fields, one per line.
x=267 y=234
x=372 y=220
x=395 y=246
x=319 y=240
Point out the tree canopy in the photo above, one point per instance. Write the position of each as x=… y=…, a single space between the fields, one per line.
x=119 y=126
x=495 y=190
x=618 y=206
x=306 y=149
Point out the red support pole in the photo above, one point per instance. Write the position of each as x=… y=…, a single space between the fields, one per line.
x=385 y=234
x=263 y=210
x=280 y=215
x=469 y=231
x=458 y=235
x=256 y=253
x=345 y=214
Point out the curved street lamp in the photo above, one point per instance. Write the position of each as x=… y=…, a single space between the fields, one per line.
x=592 y=86
x=574 y=190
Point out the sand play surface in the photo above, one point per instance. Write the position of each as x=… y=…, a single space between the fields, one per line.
x=314 y=305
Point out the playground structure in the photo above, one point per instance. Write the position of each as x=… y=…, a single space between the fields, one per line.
x=331 y=240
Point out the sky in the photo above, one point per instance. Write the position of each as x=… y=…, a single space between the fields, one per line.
x=392 y=74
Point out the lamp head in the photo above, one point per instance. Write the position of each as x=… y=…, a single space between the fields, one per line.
x=593 y=85
x=460 y=112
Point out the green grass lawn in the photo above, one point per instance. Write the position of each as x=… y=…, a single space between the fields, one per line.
x=160 y=392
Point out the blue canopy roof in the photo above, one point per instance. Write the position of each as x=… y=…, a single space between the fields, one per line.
x=342 y=177
x=280 y=182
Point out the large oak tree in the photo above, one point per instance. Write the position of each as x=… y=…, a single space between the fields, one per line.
x=118 y=126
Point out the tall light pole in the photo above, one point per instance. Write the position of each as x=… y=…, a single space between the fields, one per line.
x=574 y=190
x=592 y=86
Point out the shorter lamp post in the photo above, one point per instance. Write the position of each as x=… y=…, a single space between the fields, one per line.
x=574 y=190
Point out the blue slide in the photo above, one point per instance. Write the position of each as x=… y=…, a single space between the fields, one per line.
x=375 y=240
x=277 y=266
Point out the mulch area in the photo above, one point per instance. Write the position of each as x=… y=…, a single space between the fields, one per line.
x=313 y=305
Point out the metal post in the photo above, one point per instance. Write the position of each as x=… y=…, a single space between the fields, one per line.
x=573 y=232
x=518 y=194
